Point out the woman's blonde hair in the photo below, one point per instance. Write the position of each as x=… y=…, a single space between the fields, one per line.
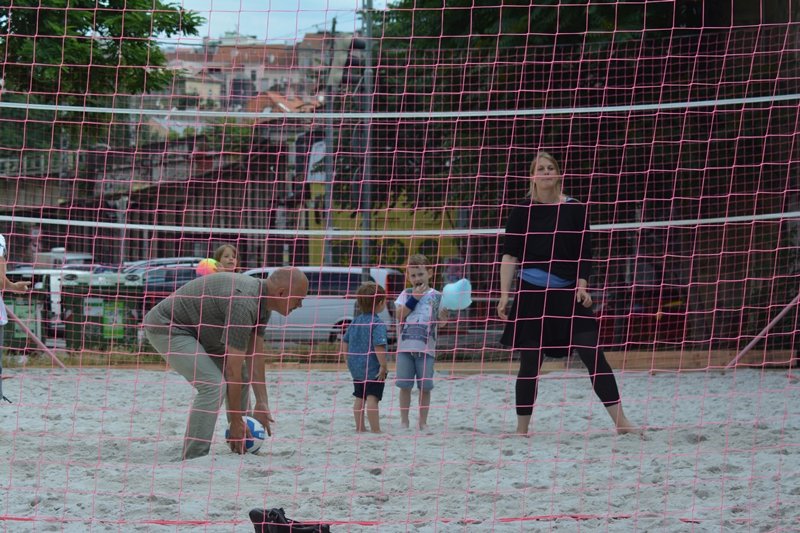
x=543 y=155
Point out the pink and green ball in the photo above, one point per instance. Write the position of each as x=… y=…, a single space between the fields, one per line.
x=207 y=266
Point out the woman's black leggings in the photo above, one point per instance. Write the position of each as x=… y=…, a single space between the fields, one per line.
x=530 y=363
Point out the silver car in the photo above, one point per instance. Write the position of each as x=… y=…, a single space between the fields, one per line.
x=330 y=306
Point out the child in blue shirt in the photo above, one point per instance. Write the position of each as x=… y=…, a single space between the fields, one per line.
x=365 y=342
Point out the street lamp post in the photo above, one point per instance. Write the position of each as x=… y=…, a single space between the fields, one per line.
x=366 y=189
x=332 y=83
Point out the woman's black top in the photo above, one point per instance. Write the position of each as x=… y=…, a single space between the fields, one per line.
x=551 y=237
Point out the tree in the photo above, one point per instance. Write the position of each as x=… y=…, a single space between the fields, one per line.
x=466 y=55
x=76 y=51
x=460 y=24
x=82 y=52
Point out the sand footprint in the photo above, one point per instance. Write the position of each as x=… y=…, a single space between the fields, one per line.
x=696 y=438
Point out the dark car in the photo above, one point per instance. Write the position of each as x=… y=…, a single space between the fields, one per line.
x=147 y=264
x=162 y=281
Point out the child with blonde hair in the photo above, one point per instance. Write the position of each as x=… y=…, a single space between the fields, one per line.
x=418 y=311
x=227 y=258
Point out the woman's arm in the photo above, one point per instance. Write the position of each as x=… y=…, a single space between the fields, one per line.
x=508 y=268
x=582 y=295
x=585 y=257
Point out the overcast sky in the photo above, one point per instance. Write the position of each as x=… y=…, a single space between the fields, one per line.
x=275 y=20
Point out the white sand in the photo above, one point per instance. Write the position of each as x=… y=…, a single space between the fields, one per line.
x=95 y=450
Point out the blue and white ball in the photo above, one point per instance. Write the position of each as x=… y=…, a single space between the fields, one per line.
x=257 y=431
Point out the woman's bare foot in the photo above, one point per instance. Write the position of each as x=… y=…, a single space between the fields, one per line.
x=523 y=425
x=630 y=430
x=621 y=422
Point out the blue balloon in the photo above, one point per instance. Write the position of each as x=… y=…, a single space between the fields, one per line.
x=457 y=296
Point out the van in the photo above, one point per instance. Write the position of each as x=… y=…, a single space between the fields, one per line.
x=330 y=305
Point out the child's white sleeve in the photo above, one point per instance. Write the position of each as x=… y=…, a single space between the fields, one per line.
x=401 y=299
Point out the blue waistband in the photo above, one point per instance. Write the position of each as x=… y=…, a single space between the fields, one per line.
x=540 y=278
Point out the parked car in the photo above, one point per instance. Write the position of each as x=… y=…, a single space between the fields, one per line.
x=160 y=282
x=96 y=269
x=329 y=307
x=144 y=264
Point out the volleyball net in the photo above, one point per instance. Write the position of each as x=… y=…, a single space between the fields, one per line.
x=135 y=141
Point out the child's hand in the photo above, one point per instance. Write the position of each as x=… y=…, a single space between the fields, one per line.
x=20 y=286
x=419 y=290
x=382 y=373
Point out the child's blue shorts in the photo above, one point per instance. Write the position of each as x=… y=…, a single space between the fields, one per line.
x=414 y=367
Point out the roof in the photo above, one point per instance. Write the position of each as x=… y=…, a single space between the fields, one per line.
x=276 y=102
x=315 y=41
x=269 y=55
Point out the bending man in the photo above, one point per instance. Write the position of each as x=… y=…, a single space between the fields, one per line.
x=207 y=330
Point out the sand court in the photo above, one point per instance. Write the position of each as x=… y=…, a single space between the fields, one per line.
x=96 y=450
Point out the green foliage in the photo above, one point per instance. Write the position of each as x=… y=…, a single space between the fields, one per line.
x=488 y=24
x=76 y=50
x=231 y=138
x=81 y=52
x=24 y=128
x=457 y=55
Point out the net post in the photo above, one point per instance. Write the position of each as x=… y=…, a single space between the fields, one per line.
x=763 y=332
x=35 y=339
x=366 y=186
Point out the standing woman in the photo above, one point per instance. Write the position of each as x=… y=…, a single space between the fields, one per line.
x=549 y=239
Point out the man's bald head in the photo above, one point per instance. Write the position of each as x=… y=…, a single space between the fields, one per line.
x=286 y=286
